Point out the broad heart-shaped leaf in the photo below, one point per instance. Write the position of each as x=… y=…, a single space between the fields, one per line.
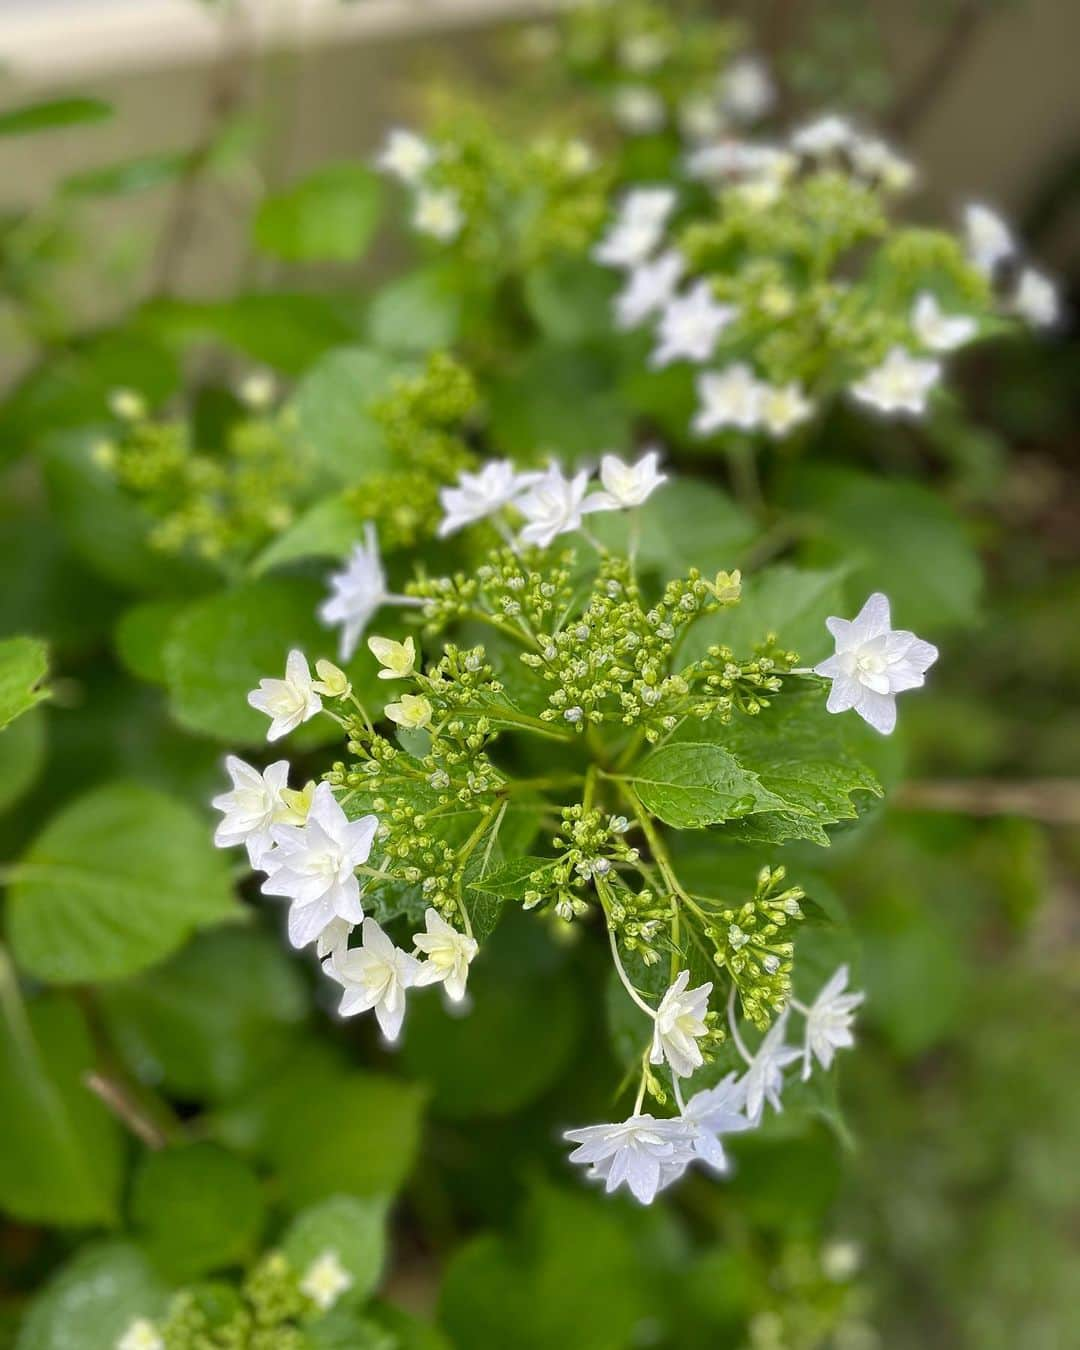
x=693 y=782
x=353 y=1229
x=115 y=882
x=329 y=529
x=333 y=406
x=196 y=1208
x=93 y=1300
x=329 y=216
x=62 y=1156
x=23 y=664
x=419 y=312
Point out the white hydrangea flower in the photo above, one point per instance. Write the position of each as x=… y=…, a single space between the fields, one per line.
x=784 y=407
x=437 y=212
x=1036 y=299
x=748 y=90
x=700 y=118
x=989 y=239
x=325 y=1280
x=313 y=865
x=554 y=505
x=764 y=1078
x=873 y=663
x=405 y=156
x=829 y=1020
x=877 y=159
x=374 y=977
x=901 y=384
x=398 y=659
x=936 y=330
x=637 y=228
x=141 y=1335
x=714 y=1112
x=481 y=494
x=648 y=288
x=627 y=485
x=255 y=804
x=290 y=701
x=690 y=326
x=638 y=109
x=643 y=1153
x=643 y=51
x=334 y=937
x=449 y=954
x=679 y=1023
x=729 y=398
x=357 y=591
x=824 y=136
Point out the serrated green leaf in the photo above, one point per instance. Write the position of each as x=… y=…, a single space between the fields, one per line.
x=690 y=783
x=24 y=663
x=113 y=883
x=329 y=216
x=353 y=1229
x=93 y=1300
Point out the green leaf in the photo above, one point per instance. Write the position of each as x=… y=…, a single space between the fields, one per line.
x=420 y=312
x=128 y=176
x=570 y=299
x=560 y=400
x=53 y=114
x=329 y=216
x=354 y=1229
x=342 y=1328
x=196 y=1208
x=22 y=756
x=692 y=783
x=115 y=882
x=93 y=1300
x=140 y=636
x=62 y=1156
x=329 y=529
x=333 y=408
x=200 y=1031
x=24 y=663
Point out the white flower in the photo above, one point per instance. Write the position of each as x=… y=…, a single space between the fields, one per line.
x=783 y=406
x=901 y=384
x=642 y=1153
x=769 y=164
x=690 y=325
x=648 y=288
x=398 y=659
x=679 y=1022
x=638 y=109
x=481 y=494
x=989 y=239
x=1036 y=299
x=257 y=390
x=873 y=663
x=748 y=90
x=334 y=937
x=715 y=1111
x=876 y=159
x=374 y=976
x=554 y=505
x=290 y=701
x=643 y=51
x=438 y=212
x=626 y=485
x=325 y=1280
x=405 y=156
x=449 y=954
x=764 y=1078
x=824 y=136
x=357 y=591
x=141 y=1335
x=700 y=118
x=729 y=398
x=313 y=865
x=253 y=807
x=637 y=228
x=829 y=1020
x=936 y=330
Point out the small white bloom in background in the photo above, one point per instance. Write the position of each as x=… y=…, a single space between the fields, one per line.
x=729 y=398
x=637 y=228
x=648 y=288
x=638 y=109
x=554 y=505
x=334 y=937
x=690 y=326
x=290 y=701
x=700 y=118
x=398 y=659
x=627 y=485
x=127 y=405
x=989 y=239
x=258 y=390
x=840 y=1260
x=405 y=155
x=255 y=804
x=643 y=51
x=141 y=1335
x=578 y=157
x=325 y=1280
x=873 y=663
x=437 y=212
x=748 y=90
x=313 y=865
x=764 y=1078
x=784 y=407
x=642 y=1153
x=679 y=1023
x=374 y=977
x=448 y=952
x=714 y=1112
x=936 y=330
x=357 y=591
x=481 y=494
x=824 y=136
x=829 y=1020
x=1036 y=299
x=874 y=158
x=901 y=384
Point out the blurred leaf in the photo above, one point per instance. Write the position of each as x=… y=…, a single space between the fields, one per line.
x=329 y=529
x=62 y=1155
x=419 y=312
x=333 y=406
x=686 y=523
x=92 y=1301
x=327 y=217
x=130 y=175
x=571 y=299
x=22 y=754
x=141 y=634
x=409 y=1331
x=353 y=1229
x=559 y=401
x=196 y=1208
x=113 y=883
x=53 y=114
x=24 y=663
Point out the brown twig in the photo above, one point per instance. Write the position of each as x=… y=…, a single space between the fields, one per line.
x=122 y=1104
x=1054 y=801
x=926 y=88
